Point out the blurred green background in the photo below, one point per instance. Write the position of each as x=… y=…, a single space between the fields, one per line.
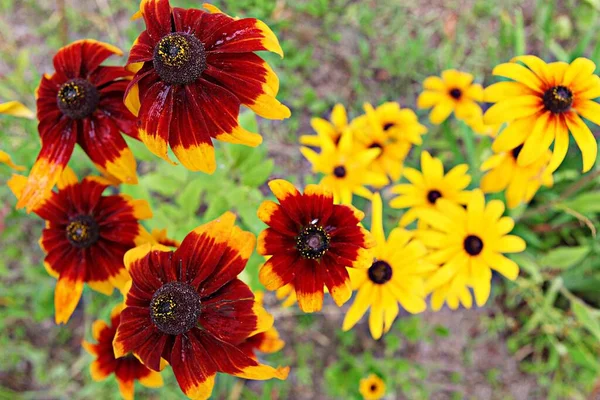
x=537 y=338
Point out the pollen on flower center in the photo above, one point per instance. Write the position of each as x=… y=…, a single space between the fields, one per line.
x=473 y=245
x=82 y=231
x=558 y=99
x=380 y=272
x=77 y=98
x=433 y=196
x=179 y=58
x=175 y=308
x=516 y=151
x=339 y=171
x=313 y=241
x=456 y=93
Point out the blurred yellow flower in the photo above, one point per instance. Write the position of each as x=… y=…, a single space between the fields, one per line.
x=332 y=130
x=372 y=387
x=478 y=126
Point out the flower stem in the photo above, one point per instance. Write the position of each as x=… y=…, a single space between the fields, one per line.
x=452 y=141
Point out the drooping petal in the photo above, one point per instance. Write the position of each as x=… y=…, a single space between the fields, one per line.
x=155 y=114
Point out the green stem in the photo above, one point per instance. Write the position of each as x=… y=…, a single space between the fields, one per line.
x=470 y=149
x=452 y=141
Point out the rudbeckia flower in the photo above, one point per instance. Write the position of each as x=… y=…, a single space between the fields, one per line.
x=468 y=244
x=332 y=130
x=86 y=236
x=396 y=275
x=265 y=342
x=82 y=102
x=127 y=369
x=521 y=182
x=454 y=91
x=6 y=159
x=346 y=167
x=429 y=186
x=311 y=241
x=372 y=387
x=194 y=69
x=189 y=308
x=543 y=103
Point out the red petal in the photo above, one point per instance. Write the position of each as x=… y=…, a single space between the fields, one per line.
x=309 y=285
x=142 y=49
x=343 y=216
x=189 y=21
x=81 y=58
x=155 y=117
x=150 y=273
x=150 y=349
x=157 y=15
x=272 y=242
x=279 y=270
x=106 y=75
x=337 y=280
x=135 y=327
x=193 y=367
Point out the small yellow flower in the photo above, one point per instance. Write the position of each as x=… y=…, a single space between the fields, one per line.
x=430 y=185
x=454 y=91
x=333 y=130
x=372 y=387
x=395 y=276
x=521 y=182
x=346 y=167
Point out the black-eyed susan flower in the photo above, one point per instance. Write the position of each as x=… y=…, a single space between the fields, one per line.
x=86 y=235
x=396 y=275
x=311 y=241
x=468 y=244
x=392 y=130
x=127 y=369
x=189 y=308
x=346 y=167
x=331 y=129
x=430 y=185
x=543 y=103
x=454 y=91
x=520 y=182
x=194 y=69
x=268 y=341
x=82 y=102
x=372 y=387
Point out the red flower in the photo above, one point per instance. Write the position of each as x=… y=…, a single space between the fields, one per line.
x=82 y=102
x=86 y=237
x=193 y=71
x=311 y=241
x=127 y=369
x=189 y=308
x=265 y=342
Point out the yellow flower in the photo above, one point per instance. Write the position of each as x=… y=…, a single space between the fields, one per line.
x=396 y=275
x=333 y=130
x=391 y=129
x=521 y=182
x=454 y=91
x=345 y=167
x=543 y=102
x=5 y=159
x=372 y=387
x=426 y=188
x=476 y=123
x=16 y=109
x=467 y=244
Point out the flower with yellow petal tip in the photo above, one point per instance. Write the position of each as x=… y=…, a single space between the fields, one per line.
x=16 y=109
x=6 y=159
x=521 y=182
x=430 y=185
x=543 y=103
x=372 y=387
x=287 y=292
x=468 y=244
x=396 y=275
x=160 y=236
x=454 y=91
x=127 y=369
x=268 y=341
x=333 y=130
x=346 y=167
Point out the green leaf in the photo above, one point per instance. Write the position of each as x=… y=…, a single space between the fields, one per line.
x=585 y=203
x=190 y=198
x=564 y=257
x=587 y=319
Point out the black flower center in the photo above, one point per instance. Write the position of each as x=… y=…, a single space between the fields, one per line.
x=387 y=126
x=77 y=98
x=175 y=308
x=179 y=58
x=373 y=387
x=313 y=241
x=456 y=93
x=516 y=151
x=473 y=245
x=380 y=272
x=558 y=99
x=376 y=146
x=433 y=196
x=339 y=171
x=83 y=231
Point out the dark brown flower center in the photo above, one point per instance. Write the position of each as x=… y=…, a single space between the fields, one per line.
x=558 y=99
x=376 y=146
x=433 y=196
x=77 y=98
x=83 y=231
x=373 y=387
x=387 y=126
x=456 y=93
x=175 y=308
x=516 y=151
x=313 y=241
x=473 y=245
x=339 y=171
x=179 y=58
x=380 y=272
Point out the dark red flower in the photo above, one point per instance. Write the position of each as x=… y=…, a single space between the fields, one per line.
x=189 y=308
x=193 y=71
x=82 y=102
x=310 y=242
x=86 y=237
x=265 y=342
x=127 y=369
